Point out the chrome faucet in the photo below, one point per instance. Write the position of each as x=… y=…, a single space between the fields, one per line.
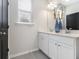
x=68 y=31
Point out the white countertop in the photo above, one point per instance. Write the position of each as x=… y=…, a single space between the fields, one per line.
x=71 y=35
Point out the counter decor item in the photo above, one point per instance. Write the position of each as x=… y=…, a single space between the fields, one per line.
x=59 y=17
x=58 y=25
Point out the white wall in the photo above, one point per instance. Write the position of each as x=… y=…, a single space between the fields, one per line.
x=40 y=13
x=23 y=38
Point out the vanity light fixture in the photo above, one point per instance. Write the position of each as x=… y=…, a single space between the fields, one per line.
x=67 y=0
x=52 y=5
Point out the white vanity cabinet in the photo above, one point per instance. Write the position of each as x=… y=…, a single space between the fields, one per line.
x=66 y=52
x=53 y=49
x=43 y=43
x=61 y=47
x=58 y=46
x=60 y=50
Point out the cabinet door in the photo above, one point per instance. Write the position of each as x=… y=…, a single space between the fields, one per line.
x=60 y=51
x=5 y=47
x=66 y=52
x=0 y=49
x=43 y=43
x=40 y=43
x=53 y=49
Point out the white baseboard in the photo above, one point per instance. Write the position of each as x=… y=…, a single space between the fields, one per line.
x=19 y=54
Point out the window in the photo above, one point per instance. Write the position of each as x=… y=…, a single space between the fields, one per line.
x=25 y=12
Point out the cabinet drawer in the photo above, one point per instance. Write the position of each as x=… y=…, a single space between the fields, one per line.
x=61 y=39
x=42 y=36
x=66 y=40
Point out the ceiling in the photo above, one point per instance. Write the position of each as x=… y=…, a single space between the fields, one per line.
x=66 y=2
x=70 y=2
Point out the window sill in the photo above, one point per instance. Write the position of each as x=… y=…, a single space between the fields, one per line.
x=25 y=23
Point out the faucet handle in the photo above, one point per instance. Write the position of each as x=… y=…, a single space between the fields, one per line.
x=70 y=28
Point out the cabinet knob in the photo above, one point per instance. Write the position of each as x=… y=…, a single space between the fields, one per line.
x=59 y=45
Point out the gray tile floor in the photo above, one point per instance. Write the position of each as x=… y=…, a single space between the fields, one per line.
x=34 y=55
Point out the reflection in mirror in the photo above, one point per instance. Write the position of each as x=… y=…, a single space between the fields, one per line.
x=57 y=13
x=62 y=8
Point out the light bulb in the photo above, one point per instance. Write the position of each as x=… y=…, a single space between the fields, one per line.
x=52 y=5
x=66 y=0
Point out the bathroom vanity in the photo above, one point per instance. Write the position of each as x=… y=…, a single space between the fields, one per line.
x=59 y=45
